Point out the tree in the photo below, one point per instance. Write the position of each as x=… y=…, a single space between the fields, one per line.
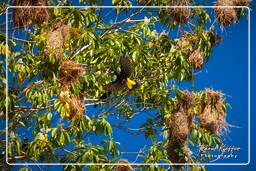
x=118 y=60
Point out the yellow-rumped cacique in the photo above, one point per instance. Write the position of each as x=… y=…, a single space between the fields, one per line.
x=122 y=78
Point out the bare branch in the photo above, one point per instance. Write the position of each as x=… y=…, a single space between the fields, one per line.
x=23 y=40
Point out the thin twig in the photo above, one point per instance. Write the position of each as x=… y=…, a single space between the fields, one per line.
x=37 y=165
x=23 y=40
x=108 y=32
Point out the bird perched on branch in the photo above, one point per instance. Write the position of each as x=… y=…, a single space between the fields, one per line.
x=122 y=79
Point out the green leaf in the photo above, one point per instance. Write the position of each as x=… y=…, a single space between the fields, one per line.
x=54 y=131
x=62 y=139
x=56 y=11
x=49 y=116
x=194 y=135
x=191 y=143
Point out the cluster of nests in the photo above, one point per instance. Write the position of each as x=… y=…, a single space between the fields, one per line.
x=70 y=72
x=26 y=15
x=189 y=43
x=211 y=113
x=225 y=16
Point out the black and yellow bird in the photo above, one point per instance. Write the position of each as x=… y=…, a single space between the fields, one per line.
x=122 y=78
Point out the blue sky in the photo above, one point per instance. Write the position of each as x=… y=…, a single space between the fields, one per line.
x=234 y=82
x=226 y=71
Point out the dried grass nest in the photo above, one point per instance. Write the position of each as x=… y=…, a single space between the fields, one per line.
x=196 y=59
x=77 y=107
x=56 y=40
x=228 y=16
x=211 y=112
x=180 y=122
x=22 y=17
x=180 y=125
x=212 y=117
x=179 y=15
x=190 y=44
x=70 y=72
x=178 y=153
x=125 y=167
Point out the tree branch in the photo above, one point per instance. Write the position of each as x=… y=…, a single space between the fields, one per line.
x=18 y=39
x=108 y=32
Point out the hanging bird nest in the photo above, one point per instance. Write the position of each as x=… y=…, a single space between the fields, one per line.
x=56 y=40
x=181 y=121
x=226 y=16
x=180 y=125
x=183 y=102
x=178 y=153
x=22 y=17
x=196 y=59
x=188 y=42
x=180 y=15
x=77 y=107
x=125 y=167
x=213 y=113
x=70 y=73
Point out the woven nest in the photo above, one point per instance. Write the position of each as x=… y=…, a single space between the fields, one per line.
x=183 y=102
x=226 y=16
x=178 y=153
x=56 y=40
x=196 y=59
x=213 y=113
x=180 y=125
x=25 y=16
x=125 y=167
x=188 y=42
x=181 y=121
x=180 y=15
x=70 y=73
x=77 y=107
